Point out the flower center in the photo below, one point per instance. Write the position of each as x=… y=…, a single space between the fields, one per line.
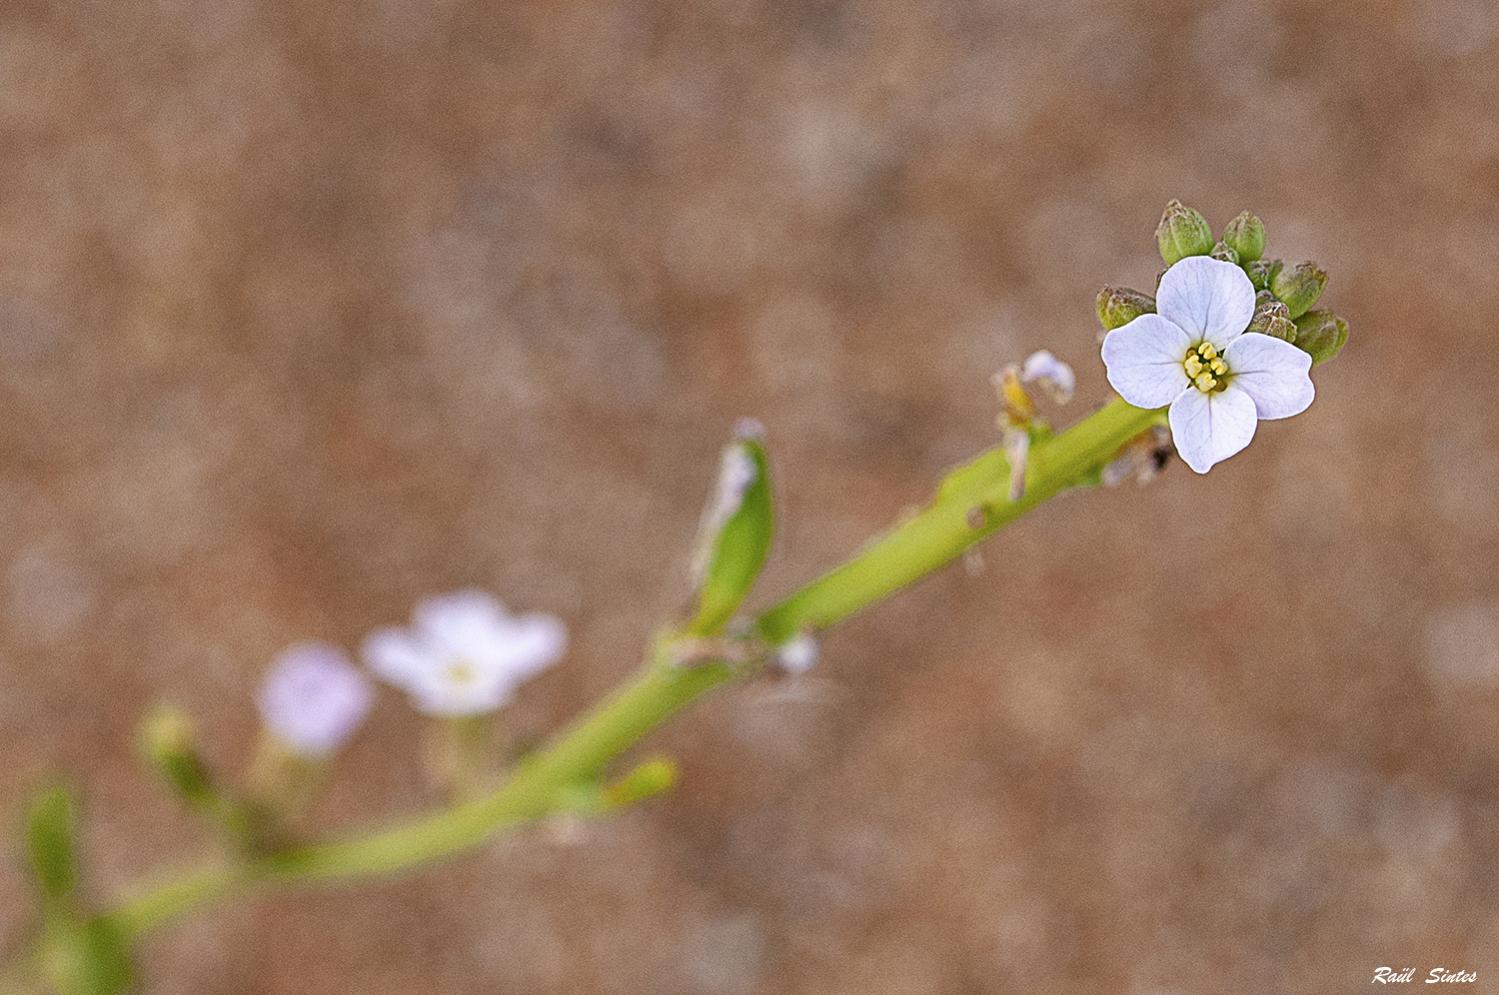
x=1205 y=368
x=460 y=673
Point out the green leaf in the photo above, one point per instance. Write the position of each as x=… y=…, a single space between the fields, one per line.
x=49 y=843
x=735 y=535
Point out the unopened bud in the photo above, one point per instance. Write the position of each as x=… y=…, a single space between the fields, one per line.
x=1182 y=232
x=1272 y=318
x=166 y=738
x=1118 y=306
x=1245 y=234
x=1322 y=334
x=1299 y=287
x=1223 y=251
x=1262 y=271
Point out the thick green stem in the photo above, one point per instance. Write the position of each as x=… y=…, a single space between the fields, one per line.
x=972 y=504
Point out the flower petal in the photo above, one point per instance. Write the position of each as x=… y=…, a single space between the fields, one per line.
x=535 y=642
x=1208 y=428
x=464 y=622
x=1273 y=372
x=396 y=657
x=1144 y=361
x=1209 y=298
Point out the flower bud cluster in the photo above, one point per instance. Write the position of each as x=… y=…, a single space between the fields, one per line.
x=1286 y=293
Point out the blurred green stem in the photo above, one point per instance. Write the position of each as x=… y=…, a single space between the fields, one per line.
x=972 y=504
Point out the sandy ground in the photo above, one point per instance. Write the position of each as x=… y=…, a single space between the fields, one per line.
x=308 y=311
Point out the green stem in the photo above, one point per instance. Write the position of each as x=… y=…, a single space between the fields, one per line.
x=972 y=504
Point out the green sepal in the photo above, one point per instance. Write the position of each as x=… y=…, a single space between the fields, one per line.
x=735 y=537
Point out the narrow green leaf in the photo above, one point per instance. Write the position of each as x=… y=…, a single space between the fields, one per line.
x=49 y=843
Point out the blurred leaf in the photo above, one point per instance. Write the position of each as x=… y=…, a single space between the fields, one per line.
x=49 y=843
x=735 y=537
x=86 y=957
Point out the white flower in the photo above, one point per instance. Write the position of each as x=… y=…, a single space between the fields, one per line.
x=1194 y=355
x=313 y=699
x=464 y=654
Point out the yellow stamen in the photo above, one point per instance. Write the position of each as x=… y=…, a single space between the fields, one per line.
x=1205 y=368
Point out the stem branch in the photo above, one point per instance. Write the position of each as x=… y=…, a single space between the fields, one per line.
x=972 y=505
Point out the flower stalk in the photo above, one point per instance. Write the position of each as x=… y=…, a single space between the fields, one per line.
x=972 y=504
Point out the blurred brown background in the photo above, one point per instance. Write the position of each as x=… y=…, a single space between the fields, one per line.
x=310 y=310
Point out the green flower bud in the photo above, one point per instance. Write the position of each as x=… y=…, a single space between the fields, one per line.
x=1272 y=318
x=1182 y=232
x=166 y=743
x=1299 y=287
x=1225 y=252
x=1120 y=305
x=651 y=778
x=1245 y=234
x=1262 y=271
x=735 y=533
x=1322 y=334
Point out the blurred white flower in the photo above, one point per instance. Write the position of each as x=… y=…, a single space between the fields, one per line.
x=464 y=654
x=798 y=654
x=1052 y=375
x=313 y=699
x=1194 y=355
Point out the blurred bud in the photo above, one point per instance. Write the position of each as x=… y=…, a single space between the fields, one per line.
x=734 y=536
x=1118 y=306
x=1224 y=252
x=1262 y=271
x=645 y=781
x=313 y=699
x=1272 y=318
x=1245 y=234
x=1182 y=232
x=86 y=957
x=49 y=843
x=1299 y=287
x=1322 y=334
x=167 y=744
